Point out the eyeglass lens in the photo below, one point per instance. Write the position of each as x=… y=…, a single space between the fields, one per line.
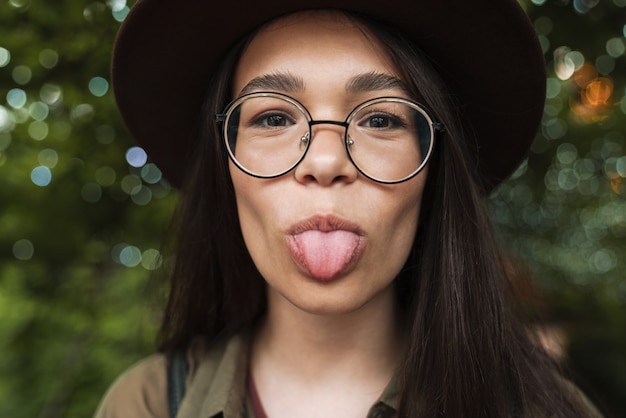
x=387 y=139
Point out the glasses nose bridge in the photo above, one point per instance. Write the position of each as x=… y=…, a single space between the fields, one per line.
x=328 y=122
x=313 y=123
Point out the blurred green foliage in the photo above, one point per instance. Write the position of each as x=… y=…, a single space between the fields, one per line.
x=79 y=226
x=81 y=222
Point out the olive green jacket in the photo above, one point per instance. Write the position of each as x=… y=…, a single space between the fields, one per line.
x=215 y=386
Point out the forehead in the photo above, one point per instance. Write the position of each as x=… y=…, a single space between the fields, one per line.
x=313 y=45
x=333 y=20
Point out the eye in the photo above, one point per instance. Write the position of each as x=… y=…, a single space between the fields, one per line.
x=273 y=120
x=378 y=122
x=382 y=121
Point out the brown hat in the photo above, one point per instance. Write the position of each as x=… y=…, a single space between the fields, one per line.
x=485 y=50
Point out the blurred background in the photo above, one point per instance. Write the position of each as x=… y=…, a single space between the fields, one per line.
x=82 y=212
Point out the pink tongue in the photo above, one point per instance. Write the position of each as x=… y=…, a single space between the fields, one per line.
x=326 y=254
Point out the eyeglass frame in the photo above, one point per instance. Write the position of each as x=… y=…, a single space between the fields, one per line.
x=436 y=128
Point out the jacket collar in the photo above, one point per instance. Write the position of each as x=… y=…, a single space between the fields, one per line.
x=216 y=386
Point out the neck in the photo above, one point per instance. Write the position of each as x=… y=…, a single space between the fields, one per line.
x=365 y=343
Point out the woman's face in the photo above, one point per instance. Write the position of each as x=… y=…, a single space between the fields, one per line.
x=326 y=239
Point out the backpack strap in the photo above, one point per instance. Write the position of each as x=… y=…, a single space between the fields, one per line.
x=176 y=376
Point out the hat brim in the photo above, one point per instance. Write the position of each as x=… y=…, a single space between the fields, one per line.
x=485 y=50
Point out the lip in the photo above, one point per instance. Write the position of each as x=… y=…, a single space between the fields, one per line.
x=324 y=223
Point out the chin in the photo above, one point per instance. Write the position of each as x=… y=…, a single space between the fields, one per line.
x=342 y=296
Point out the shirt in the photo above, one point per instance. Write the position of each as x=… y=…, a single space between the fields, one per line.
x=215 y=386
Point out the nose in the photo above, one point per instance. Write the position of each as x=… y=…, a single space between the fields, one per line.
x=326 y=161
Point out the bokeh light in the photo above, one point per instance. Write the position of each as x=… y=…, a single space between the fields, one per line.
x=566 y=153
x=602 y=261
x=141 y=195
x=130 y=256
x=620 y=166
x=7 y=120
x=151 y=259
x=553 y=87
x=126 y=254
x=48 y=158
x=48 y=58
x=615 y=47
x=131 y=184
x=598 y=92
x=16 y=98
x=38 y=111
x=566 y=62
x=584 y=6
x=20 y=4
x=151 y=174
x=51 y=94
x=38 y=130
x=595 y=101
x=554 y=128
x=41 y=176
x=22 y=74
x=82 y=113
x=116 y=5
x=5 y=57
x=119 y=9
x=98 y=86
x=136 y=157
x=23 y=249
x=20 y=114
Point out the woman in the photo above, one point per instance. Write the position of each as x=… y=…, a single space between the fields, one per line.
x=334 y=255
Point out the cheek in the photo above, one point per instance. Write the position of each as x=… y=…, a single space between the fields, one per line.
x=401 y=230
x=395 y=210
x=395 y=221
x=250 y=206
x=258 y=208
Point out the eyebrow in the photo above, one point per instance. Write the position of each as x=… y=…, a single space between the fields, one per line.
x=361 y=83
x=374 y=82
x=274 y=82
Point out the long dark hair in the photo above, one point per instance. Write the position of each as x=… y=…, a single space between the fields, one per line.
x=468 y=355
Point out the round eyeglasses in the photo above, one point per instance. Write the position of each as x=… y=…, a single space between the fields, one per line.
x=388 y=139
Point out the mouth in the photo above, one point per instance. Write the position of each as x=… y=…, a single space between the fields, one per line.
x=325 y=247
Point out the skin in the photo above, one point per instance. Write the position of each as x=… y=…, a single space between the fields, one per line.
x=325 y=348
